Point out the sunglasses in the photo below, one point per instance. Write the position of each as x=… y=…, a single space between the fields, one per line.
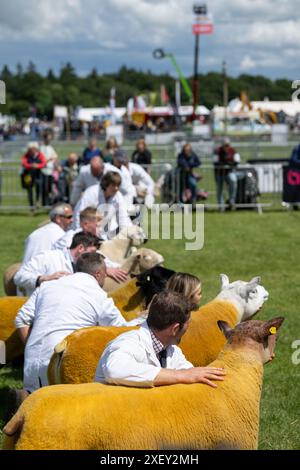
x=67 y=216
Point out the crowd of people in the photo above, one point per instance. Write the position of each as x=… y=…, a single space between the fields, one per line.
x=49 y=180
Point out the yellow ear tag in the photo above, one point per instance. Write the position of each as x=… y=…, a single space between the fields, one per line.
x=273 y=330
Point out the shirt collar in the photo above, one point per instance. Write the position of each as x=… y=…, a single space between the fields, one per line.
x=157 y=345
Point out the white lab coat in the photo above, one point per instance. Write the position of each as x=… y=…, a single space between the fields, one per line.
x=130 y=360
x=55 y=310
x=127 y=188
x=114 y=210
x=43 y=264
x=41 y=240
x=143 y=182
x=85 y=179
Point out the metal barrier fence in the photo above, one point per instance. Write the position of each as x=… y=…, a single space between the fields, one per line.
x=258 y=185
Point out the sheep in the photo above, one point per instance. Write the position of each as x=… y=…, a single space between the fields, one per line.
x=9 y=307
x=120 y=247
x=131 y=298
x=140 y=261
x=75 y=359
x=194 y=416
x=8 y=279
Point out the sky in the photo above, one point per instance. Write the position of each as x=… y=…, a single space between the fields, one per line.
x=252 y=36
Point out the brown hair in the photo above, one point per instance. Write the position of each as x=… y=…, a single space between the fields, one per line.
x=89 y=213
x=166 y=308
x=111 y=177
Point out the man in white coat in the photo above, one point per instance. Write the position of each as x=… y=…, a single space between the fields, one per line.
x=91 y=174
x=107 y=198
x=143 y=183
x=58 y=308
x=149 y=356
x=53 y=264
x=61 y=217
x=120 y=161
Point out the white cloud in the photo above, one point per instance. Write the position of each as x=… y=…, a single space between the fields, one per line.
x=248 y=34
x=247 y=63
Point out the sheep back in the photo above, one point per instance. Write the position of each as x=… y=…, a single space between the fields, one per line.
x=9 y=307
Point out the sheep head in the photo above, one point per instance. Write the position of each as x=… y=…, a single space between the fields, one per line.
x=248 y=297
x=256 y=335
x=134 y=233
x=147 y=259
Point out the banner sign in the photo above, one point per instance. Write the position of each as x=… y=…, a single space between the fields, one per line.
x=291 y=184
x=203 y=24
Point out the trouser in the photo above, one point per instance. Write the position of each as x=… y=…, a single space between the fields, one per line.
x=47 y=190
x=37 y=188
x=231 y=181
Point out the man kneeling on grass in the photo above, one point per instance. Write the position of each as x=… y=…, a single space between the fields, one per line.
x=149 y=356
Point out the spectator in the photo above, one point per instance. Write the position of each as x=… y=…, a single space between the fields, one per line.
x=32 y=162
x=110 y=147
x=48 y=171
x=187 y=160
x=226 y=159
x=295 y=157
x=68 y=171
x=91 y=151
x=142 y=155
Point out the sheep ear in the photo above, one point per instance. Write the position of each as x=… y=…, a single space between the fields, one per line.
x=224 y=280
x=270 y=327
x=225 y=328
x=256 y=280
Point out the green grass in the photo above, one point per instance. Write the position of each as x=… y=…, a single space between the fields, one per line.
x=241 y=244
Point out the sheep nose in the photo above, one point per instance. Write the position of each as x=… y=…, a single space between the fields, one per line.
x=266 y=296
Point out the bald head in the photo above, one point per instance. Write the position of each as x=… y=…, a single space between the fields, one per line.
x=97 y=166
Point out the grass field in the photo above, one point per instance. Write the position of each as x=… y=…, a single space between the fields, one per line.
x=241 y=244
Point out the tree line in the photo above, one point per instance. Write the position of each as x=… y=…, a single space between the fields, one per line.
x=27 y=88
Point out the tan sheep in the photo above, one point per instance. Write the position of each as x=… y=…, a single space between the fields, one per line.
x=196 y=416
x=8 y=279
x=76 y=357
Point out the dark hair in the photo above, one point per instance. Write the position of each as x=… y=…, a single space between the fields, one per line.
x=89 y=263
x=167 y=308
x=111 y=177
x=85 y=239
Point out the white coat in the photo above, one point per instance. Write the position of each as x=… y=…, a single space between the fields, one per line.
x=130 y=360
x=114 y=210
x=55 y=310
x=41 y=240
x=43 y=264
x=143 y=182
x=85 y=179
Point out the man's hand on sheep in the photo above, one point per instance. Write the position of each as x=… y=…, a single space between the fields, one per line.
x=117 y=274
x=51 y=277
x=203 y=375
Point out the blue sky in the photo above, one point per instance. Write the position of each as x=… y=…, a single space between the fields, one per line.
x=253 y=36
